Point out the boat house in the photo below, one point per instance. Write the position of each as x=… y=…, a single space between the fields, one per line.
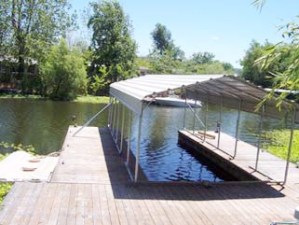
x=137 y=94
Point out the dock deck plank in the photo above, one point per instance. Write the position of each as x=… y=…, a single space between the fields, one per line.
x=101 y=193
x=270 y=167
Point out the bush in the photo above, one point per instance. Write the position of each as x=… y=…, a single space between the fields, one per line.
x=63 y=73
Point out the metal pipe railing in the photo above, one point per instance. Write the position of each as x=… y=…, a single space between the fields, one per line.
x=290 y=146
x=196 y=116
x=92 y=118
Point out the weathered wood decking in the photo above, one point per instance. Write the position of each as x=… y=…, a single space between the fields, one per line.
x=91 y=186
x=269 y=168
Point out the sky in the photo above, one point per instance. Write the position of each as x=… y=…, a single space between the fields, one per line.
x=224 y=28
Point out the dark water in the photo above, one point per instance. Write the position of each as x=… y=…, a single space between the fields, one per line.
x=163 y=160
x=43 y=124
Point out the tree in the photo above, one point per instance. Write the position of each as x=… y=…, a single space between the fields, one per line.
x=203 y=57
x=251 y=71
x=163 y=43
x=258 y=74
x=28 y=27
x=288 y=78
x=63 y=73
x=112 y=45
x=162 y=38
x=165 y=63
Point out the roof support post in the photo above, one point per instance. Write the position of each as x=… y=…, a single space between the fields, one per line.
x=138 y=145
x=114 y=118
x=290 y=146
x=194 y=114
x=185 y=111
x=117 y=123
x=237 y=129
x=129 y=146
x=122 y=128
x=219 y=123
x=110 y=113
x=129 y=138
x=259 y=137
x=206 y=119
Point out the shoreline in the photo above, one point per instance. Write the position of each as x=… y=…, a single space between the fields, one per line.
x=80 y=99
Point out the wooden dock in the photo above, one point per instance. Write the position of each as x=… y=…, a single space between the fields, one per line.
x=269 y=168
x=90 y=186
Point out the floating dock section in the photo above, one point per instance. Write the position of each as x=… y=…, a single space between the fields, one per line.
x=243 y=165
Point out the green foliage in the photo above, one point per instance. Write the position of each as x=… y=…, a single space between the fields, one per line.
x=262 y=63
x=143 y=62
x=164 y=63
x=213 y=68
x=3 y=156
x=164 y=45
x=97 y=83
x=286 y=76
x=63 y=73
x=203 y=57
x=92 y=99
x=279 y=144
x=17 y=147
x=112 y=45
x=162 y=38
x=28 y=28
x=4 y=189
x=169 y=59
x=251 y=71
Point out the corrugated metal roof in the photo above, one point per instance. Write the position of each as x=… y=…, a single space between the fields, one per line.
x=133 y=91
x=229 y=91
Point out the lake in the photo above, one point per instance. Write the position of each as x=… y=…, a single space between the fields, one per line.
x=44 y=124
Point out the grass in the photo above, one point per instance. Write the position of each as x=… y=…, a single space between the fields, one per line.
x=280 y=142
x=4 y=187
x=19 y=96
x=93 y=99
x=83 y=99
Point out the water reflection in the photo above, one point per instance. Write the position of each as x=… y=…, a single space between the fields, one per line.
x=42 y=124
x=163 y=160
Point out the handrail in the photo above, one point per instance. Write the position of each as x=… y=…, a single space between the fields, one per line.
x=196 y=116
x=92 y=118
